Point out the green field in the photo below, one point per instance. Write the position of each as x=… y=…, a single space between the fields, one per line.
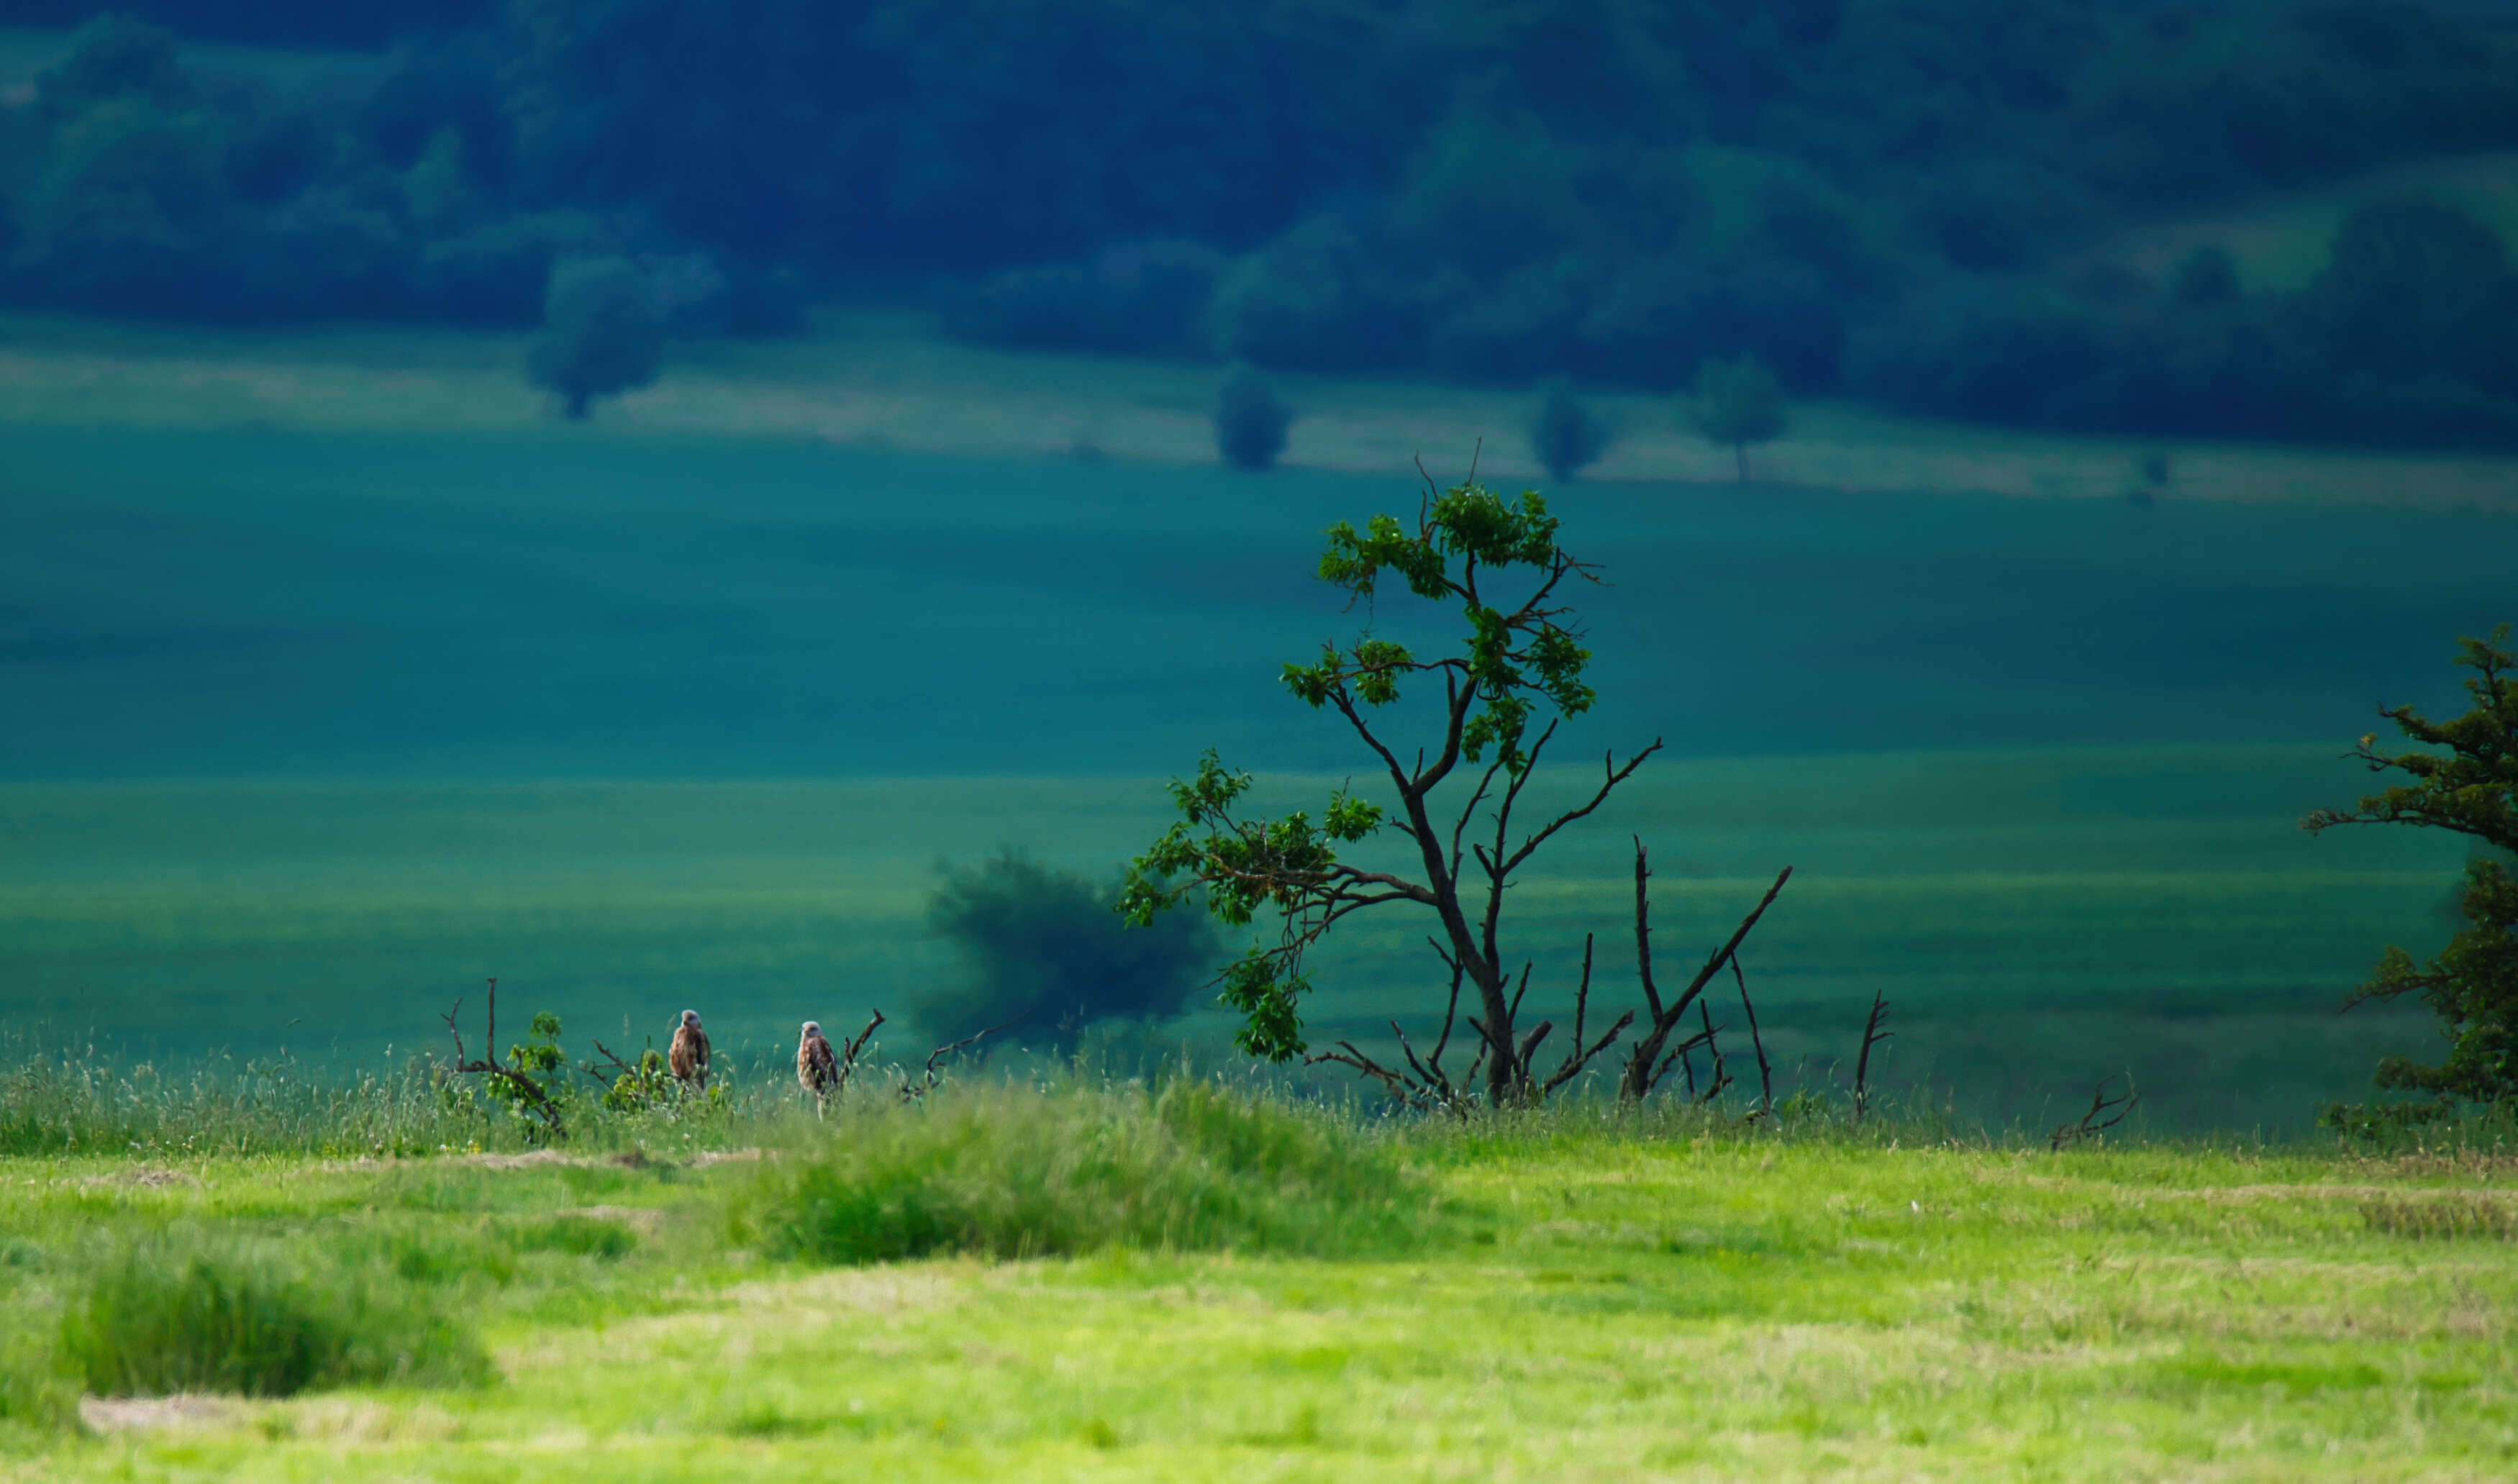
x=1574 y=1299
x=2038 y=918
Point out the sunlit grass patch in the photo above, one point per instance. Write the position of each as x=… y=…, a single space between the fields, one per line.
x=175 y=1313
x=1011 y=1173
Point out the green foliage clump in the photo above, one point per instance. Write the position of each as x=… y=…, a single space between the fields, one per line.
x=2472 y=790
x=1738 y=402
x=1018 y=1173
x=648 y=1082
x=176 y=1315
x=603 y=331
x=1249 y=421
x=1046 y=952
x=1566 y=436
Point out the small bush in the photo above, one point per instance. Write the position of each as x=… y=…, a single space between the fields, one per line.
x=168 y=1317
x=1566 y=437
x=1012 y=1174
x=1249 y=421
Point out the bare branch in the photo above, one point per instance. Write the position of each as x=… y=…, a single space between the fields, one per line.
x=1616 y=776
x=1765 y=1074
x=2091 y=1125
x=1872 y=1035
x=929 y=1078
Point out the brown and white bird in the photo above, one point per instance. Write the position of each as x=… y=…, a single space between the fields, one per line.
x=817 y=1066
x=689 y=1054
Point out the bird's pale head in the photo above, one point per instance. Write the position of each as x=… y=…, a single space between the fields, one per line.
x=812 y=1030
x=691 y=1018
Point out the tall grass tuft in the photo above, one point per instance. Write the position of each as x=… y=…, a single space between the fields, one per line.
x=75 y=1102
x=1013 y=1172
x=34 y=1394
x=174 y=1315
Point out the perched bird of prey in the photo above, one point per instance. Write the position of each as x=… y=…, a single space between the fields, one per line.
x=689 y=1054
x=817 y=1066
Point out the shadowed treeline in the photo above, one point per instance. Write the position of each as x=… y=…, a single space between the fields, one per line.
x=1911 y=201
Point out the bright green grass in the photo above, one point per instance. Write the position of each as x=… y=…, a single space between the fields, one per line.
x=2038 y=919
x=1591 y=1301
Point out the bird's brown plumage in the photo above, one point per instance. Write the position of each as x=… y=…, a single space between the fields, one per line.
x=817 y=1067
x=688 y=1055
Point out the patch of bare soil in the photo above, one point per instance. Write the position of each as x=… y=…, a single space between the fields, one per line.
x=119 y=1413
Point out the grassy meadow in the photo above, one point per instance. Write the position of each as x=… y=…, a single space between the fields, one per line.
x=339 y=680
x=1189 y=1284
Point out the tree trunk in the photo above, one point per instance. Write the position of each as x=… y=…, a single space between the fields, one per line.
x=1495 y=1009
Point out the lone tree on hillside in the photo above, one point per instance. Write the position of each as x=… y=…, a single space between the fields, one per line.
x=1566 y=435
x=1250 y=423
x=1490 y=709
x=1738 y=402
x=2472 y=789
x=603 y=331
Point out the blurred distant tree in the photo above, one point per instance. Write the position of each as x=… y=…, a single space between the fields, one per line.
x=2415 y=289
x=1044 y=949
x=1249 y=421
x=602 y=332
x=1566 y=436
x=128 y=212
x=2471 y=789
x=1738 y=402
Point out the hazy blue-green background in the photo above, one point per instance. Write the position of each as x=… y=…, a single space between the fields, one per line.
x=307 y=726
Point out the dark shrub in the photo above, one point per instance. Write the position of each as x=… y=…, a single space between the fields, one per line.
x=1138 y=296
x=601 y=331
x=1566 y=436
x=1249 y=421
x=1046 y=948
